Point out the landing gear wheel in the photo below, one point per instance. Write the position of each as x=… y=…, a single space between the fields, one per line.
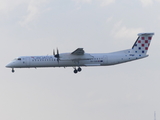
x=75 y=71
x=79 y=69
x=13 y=70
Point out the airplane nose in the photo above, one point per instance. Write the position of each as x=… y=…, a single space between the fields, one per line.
x=9 y=65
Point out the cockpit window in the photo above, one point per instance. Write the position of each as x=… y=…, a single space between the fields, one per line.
x=17 y=59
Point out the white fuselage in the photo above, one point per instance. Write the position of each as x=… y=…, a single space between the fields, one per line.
x=79 y=58
x=101 y=59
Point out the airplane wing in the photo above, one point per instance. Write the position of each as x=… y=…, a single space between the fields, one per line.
x=78 y=51
x=77 y=55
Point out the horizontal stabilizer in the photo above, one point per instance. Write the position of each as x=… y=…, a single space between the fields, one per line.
x=148 y=34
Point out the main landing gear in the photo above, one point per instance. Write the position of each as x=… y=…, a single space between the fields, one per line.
x=13 y=70
x=77 y=70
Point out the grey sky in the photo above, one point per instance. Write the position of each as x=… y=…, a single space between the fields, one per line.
x=126 y=91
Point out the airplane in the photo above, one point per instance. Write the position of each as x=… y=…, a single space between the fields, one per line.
x=79 y=58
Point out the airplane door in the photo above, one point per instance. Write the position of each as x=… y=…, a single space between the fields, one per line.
x=105 y=59
x=25 y=61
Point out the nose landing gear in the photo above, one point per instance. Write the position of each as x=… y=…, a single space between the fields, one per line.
x=13 y=70
x=77 y=70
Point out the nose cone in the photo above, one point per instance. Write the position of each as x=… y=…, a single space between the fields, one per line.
x=10 y=65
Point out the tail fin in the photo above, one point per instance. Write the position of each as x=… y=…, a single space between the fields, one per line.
x=142 y=43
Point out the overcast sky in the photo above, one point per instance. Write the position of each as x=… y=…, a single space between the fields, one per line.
x=128 y=91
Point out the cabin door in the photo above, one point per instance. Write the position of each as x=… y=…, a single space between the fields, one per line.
x=26 y=61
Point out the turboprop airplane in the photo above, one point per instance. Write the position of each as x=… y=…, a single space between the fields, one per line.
x=79 y=58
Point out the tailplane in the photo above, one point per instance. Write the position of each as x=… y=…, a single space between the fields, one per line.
x=142 y=43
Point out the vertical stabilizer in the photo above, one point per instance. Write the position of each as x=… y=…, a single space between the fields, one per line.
x=142 y=43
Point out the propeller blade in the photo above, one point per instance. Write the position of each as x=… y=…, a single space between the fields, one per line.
x=54 y=52
x=57 y=52
x=56 y=55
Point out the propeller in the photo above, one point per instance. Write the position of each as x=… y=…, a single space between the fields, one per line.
x=56 y=55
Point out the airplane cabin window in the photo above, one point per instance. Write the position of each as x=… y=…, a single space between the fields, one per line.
x=19 y=59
